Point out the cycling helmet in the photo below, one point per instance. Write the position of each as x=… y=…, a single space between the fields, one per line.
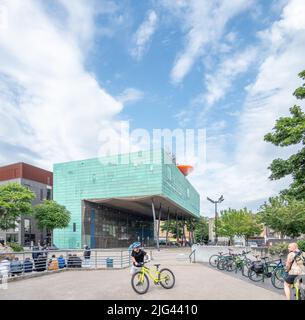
x=136 y=245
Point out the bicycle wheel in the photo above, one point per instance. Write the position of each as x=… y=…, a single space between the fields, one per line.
x=167 y=278
x=214 y=260
x=277 y=279
x=230 y=265
x=256 y=277
x=221 y=264
x=248 y=262
x=139 y=286
x=245 y=270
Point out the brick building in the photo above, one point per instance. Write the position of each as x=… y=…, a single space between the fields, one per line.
x=38 y=180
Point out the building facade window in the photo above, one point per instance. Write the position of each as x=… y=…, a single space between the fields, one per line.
x=11 y=237
x=74 y=227
x=41 y=194
x=27 y=225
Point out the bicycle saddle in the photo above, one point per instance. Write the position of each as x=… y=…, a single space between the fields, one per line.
x=220 y=252
x=157 y=265
x=264 y=258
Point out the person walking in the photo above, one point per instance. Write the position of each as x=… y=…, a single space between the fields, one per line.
x=294 y=266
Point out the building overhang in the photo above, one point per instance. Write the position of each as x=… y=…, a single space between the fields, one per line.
x=143 y=205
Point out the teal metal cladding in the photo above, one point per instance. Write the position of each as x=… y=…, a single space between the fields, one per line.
x=134 y=174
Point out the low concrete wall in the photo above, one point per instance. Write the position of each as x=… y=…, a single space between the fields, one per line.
x=203 y=253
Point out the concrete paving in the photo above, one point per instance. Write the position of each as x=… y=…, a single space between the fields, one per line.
x=193 y=281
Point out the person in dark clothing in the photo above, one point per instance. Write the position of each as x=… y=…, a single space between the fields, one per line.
x=28 y=265
x=36 y=252
x=137 y=257
x=70 y=261
x=87 y=252
x=16 y=267
x=77 y=261
x=74 y=261
x=41 y=263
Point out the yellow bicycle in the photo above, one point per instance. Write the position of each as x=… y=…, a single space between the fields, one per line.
x=140 y=280
x=298 y=288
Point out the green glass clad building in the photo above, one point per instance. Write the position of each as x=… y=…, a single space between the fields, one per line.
x=116 y=200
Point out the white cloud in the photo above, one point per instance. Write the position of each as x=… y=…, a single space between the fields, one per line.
x=241 y=173
x=204 y=24
x=130 y=95
x=49 y=103
x=218 y=83
x=143 y=35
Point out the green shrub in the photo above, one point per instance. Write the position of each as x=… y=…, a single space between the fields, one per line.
x=15 y=246
x=301 y=244
x=279 y=248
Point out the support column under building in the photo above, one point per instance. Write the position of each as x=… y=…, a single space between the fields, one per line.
x=159 y=220
x=167 y=226
x=155 y=229
x=177 y=229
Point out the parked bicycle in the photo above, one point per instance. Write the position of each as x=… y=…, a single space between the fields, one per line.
x=213 y=261
x=262 y=269
x=140 y=280
x=242 y=263
x=226 y=262
x=298 y=288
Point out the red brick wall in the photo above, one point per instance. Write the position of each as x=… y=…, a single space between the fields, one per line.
x=26 y=171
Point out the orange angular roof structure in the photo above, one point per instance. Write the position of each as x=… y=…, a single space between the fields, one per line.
x=185 y=169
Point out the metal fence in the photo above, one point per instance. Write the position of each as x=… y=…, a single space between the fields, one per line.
x=28 y=262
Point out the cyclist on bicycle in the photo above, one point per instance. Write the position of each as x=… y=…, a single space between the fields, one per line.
x=294 y=267
x=137 y=257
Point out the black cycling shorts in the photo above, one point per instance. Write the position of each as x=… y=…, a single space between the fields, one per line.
x=290 y=279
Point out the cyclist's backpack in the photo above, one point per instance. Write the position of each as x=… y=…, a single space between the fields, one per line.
x=257 y=267
x=299 y=258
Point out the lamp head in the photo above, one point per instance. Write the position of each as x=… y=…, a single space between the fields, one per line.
x=210 y=200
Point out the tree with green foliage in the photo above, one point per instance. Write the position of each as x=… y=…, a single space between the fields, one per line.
x=51 y=215
x=198 y=228
x=15 y=200
x=201 y=230
x=241 y=223
x=172 y=227
x=285 y=215
x=291 y=131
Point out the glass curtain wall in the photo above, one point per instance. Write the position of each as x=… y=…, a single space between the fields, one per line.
x=105 y=227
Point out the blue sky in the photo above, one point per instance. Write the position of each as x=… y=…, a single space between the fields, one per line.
x=68 y=68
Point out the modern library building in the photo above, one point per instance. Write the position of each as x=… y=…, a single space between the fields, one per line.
x=115 y=200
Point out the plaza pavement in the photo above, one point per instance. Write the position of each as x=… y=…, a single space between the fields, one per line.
x=193 y=281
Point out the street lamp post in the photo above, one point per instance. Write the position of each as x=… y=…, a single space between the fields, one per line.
x=215 y=202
